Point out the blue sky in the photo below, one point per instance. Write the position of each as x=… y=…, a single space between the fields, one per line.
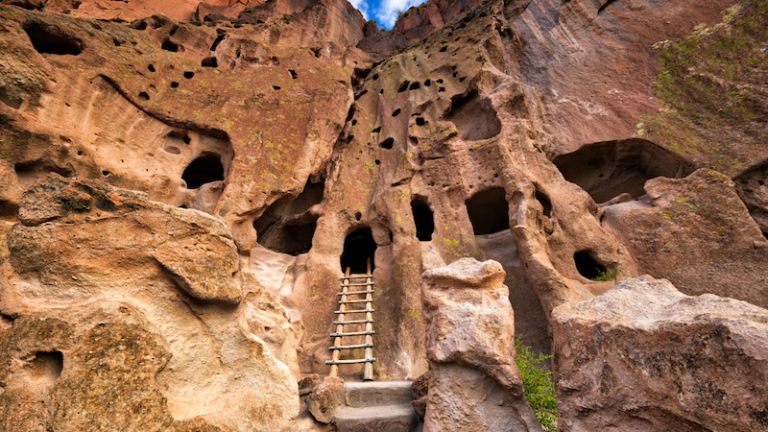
x=383 y=11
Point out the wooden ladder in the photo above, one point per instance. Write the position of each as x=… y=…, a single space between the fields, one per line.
x=352 y=287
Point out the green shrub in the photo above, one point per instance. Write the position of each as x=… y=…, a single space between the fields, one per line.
x=538 y=385
x=606 y=275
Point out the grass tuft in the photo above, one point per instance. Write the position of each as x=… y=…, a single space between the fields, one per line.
x=538 y=385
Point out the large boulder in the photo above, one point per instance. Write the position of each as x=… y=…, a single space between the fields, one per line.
x=696 y=232
x=645 y=357
x=474 y=384
x=120 y=313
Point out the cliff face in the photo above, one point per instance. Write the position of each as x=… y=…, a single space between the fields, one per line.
x=503 y=130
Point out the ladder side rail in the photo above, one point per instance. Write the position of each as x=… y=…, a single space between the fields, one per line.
x=368 y=367
x=339 y=327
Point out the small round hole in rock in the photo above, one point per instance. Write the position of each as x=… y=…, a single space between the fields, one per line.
x=274 y=87
x=420 y=121
x=293 y=73
x=174 y=84
x=151 y=68
x=188 y=74
x=358 y=216
x=144 y=96
x=396 y=112
x=387 y=143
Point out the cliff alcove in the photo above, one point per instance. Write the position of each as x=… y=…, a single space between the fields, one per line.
x=608 y=169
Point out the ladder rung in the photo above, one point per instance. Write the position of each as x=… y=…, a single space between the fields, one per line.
x=341 y=347
x=355 y=301
x=360 y=333
x=340 y=362
x=354 y=311
x=357 y=276
x=365 y=321
x=356 y=292
x=357 y=284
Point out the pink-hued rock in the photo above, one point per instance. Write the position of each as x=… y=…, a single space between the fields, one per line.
x=645 y=357
x=123 y=313
x=474 y=384
x=697 y=233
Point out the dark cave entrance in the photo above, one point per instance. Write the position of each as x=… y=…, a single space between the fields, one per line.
x=488 y=211
x=587 y=265
x=206 y=168
x=423 y=218
x=359 y=248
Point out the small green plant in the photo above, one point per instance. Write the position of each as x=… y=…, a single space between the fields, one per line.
x=538 y=385
x=606 y=275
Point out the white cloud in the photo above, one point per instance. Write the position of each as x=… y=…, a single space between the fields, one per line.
x=389 y=9
x=362 y=6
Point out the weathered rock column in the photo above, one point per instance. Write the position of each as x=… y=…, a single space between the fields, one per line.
x=474 y=383
x=645 y=357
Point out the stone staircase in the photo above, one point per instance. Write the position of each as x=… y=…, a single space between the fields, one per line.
x=377 y=406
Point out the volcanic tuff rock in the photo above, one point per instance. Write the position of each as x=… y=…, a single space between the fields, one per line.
x=113 y=301
x=644 y=357
x=697 y=233
x=474 y=384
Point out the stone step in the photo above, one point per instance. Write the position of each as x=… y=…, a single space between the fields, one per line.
x=373 y=393
x=383 y=418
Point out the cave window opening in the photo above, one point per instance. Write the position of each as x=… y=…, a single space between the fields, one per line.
x=47 y=39
x=8 y=209
x=587 y=265
x=209 y=62
x=488 y=211
x=359 y=249
x=169 y=45
x=205 y=169
x=48 y=364
x=423 y=218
